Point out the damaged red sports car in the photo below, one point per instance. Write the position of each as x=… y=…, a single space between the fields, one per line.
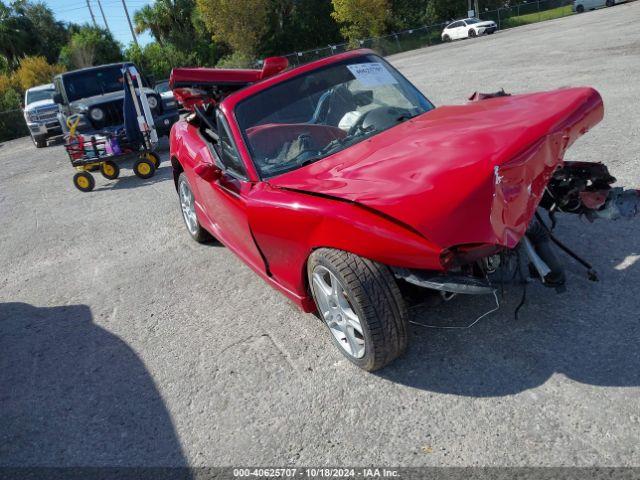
x=346 y=189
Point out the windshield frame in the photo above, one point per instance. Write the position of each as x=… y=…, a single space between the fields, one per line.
x=365 y=56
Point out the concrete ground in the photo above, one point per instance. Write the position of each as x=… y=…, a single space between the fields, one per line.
x=123 y=342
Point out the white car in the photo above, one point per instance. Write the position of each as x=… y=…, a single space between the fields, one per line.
x=469 y=27
x=40 y=113
x=580 y=6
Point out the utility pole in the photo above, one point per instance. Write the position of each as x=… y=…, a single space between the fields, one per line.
x=103 y=16
x=92 y=16
x=133 y=32
x=477 y=9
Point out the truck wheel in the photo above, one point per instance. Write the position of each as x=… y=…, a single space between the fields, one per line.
x=84 y=181
x=361 y=304
x=39 y=142
x=187 y=204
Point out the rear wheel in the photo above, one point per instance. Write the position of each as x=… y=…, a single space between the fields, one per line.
x=187 y=204
x=144 y=168
x=84 y=181
x=472 y=33
x=361 y=304
x=153 y=157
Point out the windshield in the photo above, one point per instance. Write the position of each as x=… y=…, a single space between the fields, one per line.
x=162 y=87
x=87 y=83
x=321 y=112
x=37 y=95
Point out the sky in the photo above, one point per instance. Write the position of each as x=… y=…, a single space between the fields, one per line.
x=76 y=11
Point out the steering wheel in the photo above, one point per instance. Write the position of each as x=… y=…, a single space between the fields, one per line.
x=379 y=118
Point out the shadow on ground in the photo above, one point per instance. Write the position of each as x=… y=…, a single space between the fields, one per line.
x=74 y=394
x=591 y=333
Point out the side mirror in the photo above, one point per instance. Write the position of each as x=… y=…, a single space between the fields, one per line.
x=57 y=98
x=208 y=172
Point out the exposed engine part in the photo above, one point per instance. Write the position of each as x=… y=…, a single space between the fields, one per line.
x=585 y=189
x=537 y=245
x=446 y=282
x=619 y=203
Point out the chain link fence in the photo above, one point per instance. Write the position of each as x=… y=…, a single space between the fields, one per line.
x=12 y=125
x=508 y=17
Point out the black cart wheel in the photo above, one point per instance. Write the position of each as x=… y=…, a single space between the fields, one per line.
x=84 y=181
x=154 y=157
x=144 y=168
x=110 y=170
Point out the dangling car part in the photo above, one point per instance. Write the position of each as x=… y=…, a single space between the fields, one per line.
x=344 y=187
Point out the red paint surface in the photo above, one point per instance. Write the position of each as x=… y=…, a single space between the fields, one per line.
x=455 y=175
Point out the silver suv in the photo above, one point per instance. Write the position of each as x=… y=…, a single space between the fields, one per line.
x=41 y=114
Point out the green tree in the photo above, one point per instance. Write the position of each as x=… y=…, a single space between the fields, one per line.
x=50 y=35
x=16 y=35
x=90 y=46
x=240 y=24
x=407 y=14
x=158 y=60
x=168 y=21
x=361 y=18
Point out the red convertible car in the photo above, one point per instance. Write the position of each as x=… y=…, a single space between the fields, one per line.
x=346 y=189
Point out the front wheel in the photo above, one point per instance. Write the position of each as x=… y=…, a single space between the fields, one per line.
x=39 y=142
x=446 y=38
x=580 y=9
x=361 y=304
x=188 y=206
x=472 y=33
x=144 y=168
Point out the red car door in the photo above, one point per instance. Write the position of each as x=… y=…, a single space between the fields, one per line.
x=225 y=200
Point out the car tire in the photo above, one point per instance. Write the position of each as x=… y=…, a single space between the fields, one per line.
x=39 y=142
x=363 y=308
x=472 y=33
x=580 y=9
x=446 y=38
x=187 y=206
x=610 y=3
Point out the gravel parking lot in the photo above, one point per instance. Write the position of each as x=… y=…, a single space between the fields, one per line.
x=123 y=342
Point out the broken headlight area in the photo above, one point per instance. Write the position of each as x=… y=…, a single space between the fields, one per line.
x=580 y=188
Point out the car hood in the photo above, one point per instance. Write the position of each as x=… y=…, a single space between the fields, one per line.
x=488 y=23
x=473 y=173
x=40 y=104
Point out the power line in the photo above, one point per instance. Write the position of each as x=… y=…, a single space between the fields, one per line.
x=133 y=33
x=91 y=12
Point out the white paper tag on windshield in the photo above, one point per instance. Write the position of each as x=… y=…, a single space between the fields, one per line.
x=372 y=74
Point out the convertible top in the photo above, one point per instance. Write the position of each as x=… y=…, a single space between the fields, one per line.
x=195 y=86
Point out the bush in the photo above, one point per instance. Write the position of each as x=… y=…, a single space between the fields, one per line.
x=236 y=60
x=34 y=71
